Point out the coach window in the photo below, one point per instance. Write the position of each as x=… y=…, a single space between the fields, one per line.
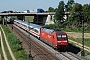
x=36 y=30
x=25 y=26
x=31 y=28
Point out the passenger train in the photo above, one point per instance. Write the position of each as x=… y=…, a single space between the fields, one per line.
x=55 y=38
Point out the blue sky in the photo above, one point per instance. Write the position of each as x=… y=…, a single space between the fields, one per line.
x=20 y=5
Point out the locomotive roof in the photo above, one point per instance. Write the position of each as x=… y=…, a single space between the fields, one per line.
x=50 y=30
x=60 y=32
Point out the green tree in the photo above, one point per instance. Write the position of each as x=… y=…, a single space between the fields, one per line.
x=77 y=8
x=59 y=13
x=55 y=9
x=86 y=11
x=69 y=5
x=89 y=14
x=51 y=9
x=74 y=18
x=77 y=12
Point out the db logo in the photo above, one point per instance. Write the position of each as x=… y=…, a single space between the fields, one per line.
x=49 y=36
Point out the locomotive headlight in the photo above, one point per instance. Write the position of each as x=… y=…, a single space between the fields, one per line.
x=63 y=36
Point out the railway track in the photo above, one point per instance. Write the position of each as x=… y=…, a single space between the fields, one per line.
x=47 y=56
x=70 y=56
x=39 y=52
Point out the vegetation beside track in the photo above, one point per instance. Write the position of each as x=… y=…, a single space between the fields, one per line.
x=79 y=40
x=86 y=43
x=15 y=44
x=0 y=50
x=0 y=20
x=85 y=58
x=6 y=48
x=0 y=43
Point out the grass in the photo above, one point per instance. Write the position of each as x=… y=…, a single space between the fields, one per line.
x=29 y=18
x=6 y=49
x=86 y=43
x=77 y=30
x=86 y=30
x=85 y=58
x=2 y=58
x=15 y=44
x=0 y=20
x=86 y=52
x=0 y=47
x=69 y=30
x=0 y=43
x=86 y=40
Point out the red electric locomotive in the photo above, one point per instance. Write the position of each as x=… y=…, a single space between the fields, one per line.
x=54 y=38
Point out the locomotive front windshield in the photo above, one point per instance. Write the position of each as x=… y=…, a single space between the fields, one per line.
x=61 y=35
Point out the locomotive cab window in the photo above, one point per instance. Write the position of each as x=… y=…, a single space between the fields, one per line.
x=63 y=36
x=59 y=37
